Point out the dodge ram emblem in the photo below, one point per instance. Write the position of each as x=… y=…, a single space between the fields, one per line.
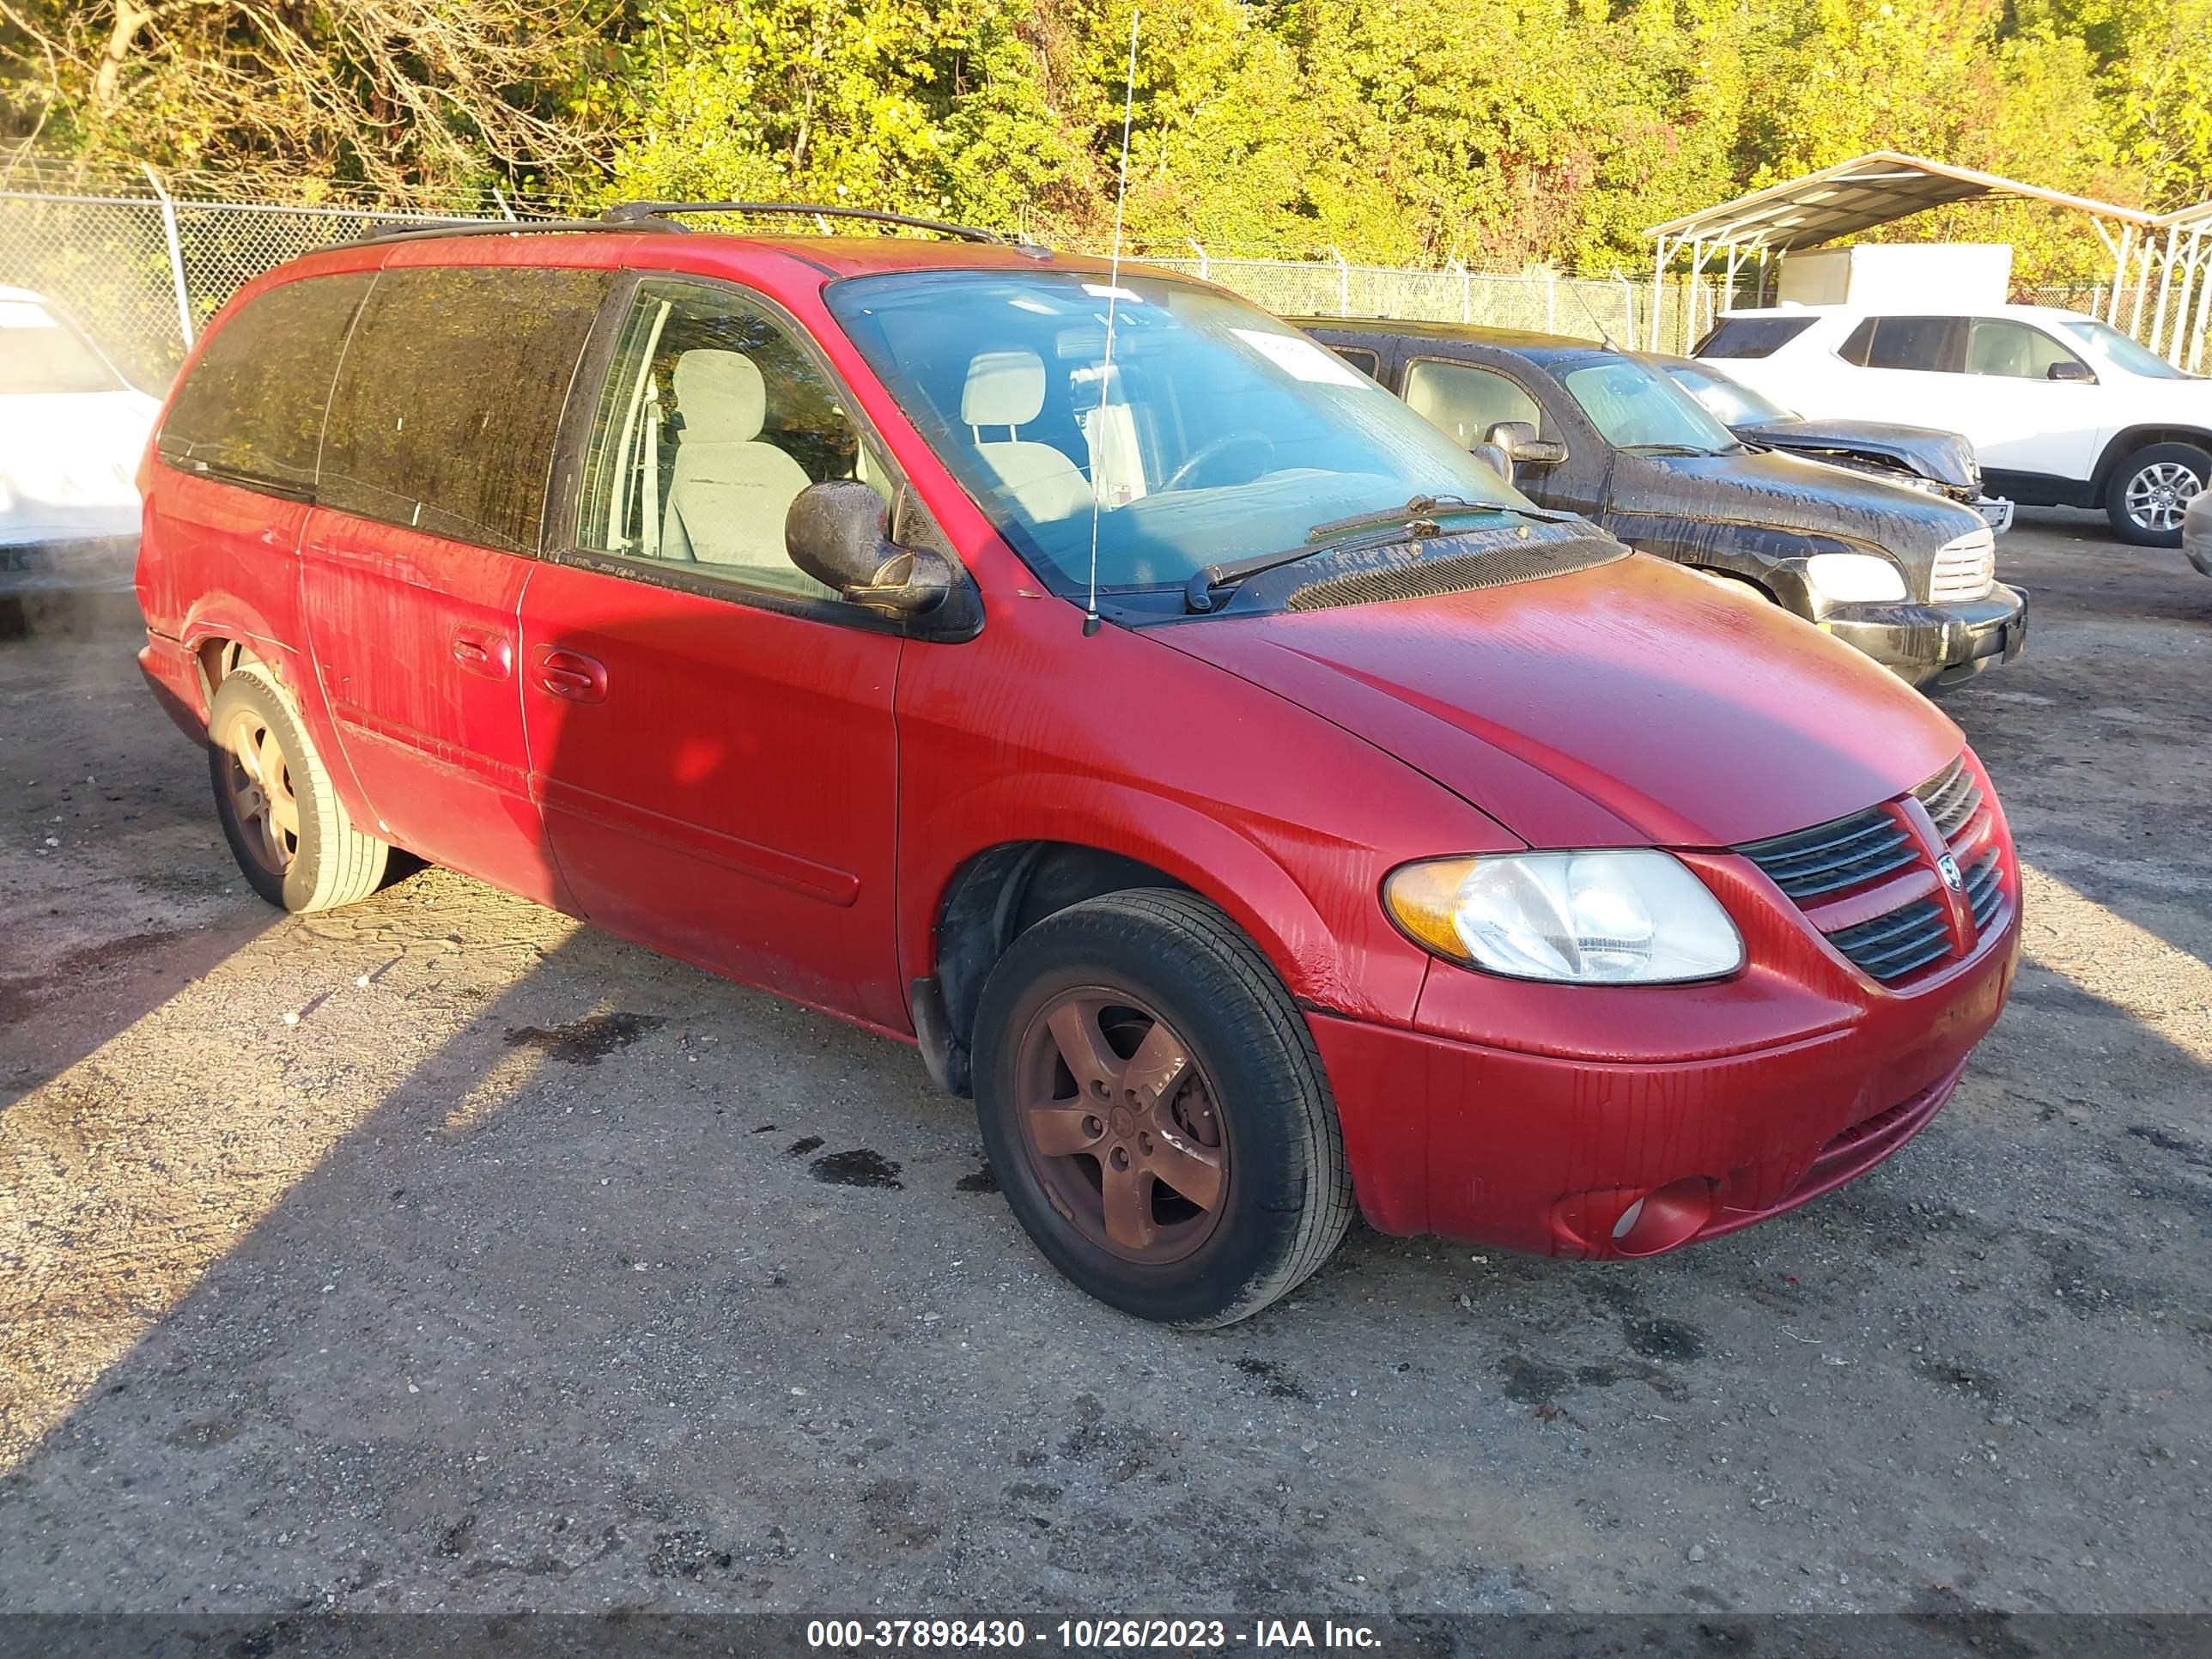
x=1947 y=867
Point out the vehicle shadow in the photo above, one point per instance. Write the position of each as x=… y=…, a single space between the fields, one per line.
x=120 y=890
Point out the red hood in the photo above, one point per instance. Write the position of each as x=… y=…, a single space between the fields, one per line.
x=1632 y=703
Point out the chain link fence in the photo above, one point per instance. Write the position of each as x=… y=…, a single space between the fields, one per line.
x=144 y=274
x=1536 y=302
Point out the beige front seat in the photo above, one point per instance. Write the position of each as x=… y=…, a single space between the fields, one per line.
x=1005 y=390
x=727 y=499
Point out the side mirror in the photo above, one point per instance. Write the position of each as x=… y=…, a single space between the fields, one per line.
x=1522 y=446
x=835 y=532
x=2067 y=368
x=1494 y=457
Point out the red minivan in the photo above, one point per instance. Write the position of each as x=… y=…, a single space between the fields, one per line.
x=1237 y=787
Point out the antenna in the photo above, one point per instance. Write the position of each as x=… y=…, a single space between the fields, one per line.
x=1113 y=302
x=1583 y=299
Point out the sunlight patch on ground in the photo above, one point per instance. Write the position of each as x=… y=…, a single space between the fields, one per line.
x=2160 y=985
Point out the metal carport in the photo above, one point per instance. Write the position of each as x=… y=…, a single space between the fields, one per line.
x=1884 y=185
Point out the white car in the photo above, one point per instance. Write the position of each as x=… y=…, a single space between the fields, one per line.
x=2063 y=410
x=71 y=431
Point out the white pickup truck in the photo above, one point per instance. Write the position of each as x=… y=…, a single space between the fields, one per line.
x=2062 y=410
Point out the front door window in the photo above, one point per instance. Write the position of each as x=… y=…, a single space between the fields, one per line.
x=1464 y=402
x=713 y=418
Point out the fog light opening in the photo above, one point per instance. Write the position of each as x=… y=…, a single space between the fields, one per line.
x=1665 y=1217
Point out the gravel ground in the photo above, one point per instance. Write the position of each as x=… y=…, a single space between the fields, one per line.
x=441 y=1254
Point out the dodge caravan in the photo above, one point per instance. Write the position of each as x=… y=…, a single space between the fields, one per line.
x=1230 y=783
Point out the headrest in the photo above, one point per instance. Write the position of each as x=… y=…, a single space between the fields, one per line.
x=720 y=396
x=1005 y=388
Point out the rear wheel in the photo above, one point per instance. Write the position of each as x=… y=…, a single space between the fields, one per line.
x=2150 y=490
x=291 y=837
x=1155 y=1111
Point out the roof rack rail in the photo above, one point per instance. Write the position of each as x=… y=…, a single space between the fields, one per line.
x=426 y=230
x=631 y=212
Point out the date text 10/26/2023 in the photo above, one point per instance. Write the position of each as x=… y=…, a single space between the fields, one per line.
x=1091 y=1635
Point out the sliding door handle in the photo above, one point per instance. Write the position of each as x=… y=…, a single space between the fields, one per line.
x=570 y=674
x=485 y=651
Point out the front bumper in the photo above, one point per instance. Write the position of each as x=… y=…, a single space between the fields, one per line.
x=91 y=564
x=2199 y=549
x=1936 y=645
x=1652 y=1117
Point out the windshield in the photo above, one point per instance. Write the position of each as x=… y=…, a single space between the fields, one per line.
x=1224 y=434
x=1636 y=407
x=1729 y=403
x=2116 y=348
x=39 y=352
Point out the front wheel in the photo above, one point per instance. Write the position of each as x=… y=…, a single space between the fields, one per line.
x=1155 y=1111
x=2150 y=490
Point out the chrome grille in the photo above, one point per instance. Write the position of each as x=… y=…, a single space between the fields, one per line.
x=1830 y=857
x=1890 y=947
x=1984 y=892
x=1965 y=569
x=1824 y=868
x=1951 y=797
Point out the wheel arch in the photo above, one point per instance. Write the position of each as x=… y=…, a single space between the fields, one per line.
x=961 y=922
x=2126 y=441
x=222 y=631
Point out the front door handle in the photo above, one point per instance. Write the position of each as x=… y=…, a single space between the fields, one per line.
x=571 y=674
x=485 y=650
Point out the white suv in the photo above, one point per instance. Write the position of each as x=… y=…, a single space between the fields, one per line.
x=2063 y=410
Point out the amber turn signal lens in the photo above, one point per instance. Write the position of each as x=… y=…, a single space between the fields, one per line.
x=1422 y=897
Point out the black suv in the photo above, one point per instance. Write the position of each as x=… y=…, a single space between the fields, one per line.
x=1906 y=576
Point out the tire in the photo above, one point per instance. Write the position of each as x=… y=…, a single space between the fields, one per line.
x=2146 y=495
x=1281 y=1194
x=318 y=860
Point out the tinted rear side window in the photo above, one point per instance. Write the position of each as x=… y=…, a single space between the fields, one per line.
x=1928 y=344
x=450 y=396
x=1751 y=337
x=252 y=408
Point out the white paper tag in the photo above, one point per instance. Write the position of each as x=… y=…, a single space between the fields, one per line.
x=1302 y=358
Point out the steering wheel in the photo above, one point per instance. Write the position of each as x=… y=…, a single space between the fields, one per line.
x=1182 y=478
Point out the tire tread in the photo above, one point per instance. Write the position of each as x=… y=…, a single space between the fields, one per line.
x=1266 y=1023
x=347 y=863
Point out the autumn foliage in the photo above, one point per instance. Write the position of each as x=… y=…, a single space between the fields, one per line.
x=1502 y=132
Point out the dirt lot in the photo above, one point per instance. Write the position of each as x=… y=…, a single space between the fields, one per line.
x=442 y=1254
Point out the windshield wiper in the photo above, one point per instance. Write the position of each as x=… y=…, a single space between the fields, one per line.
x=1670 y=449
x=1415 y=521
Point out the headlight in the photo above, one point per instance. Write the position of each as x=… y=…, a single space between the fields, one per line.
x=1849 y=578
x=1617 y=918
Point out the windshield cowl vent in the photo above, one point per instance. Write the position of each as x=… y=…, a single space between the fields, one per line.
x=1420 y=579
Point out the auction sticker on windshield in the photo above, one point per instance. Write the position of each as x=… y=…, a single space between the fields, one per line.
x=1300 y=357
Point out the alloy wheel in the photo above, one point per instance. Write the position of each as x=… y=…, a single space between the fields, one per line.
x=1121 y=1125
x=2159 y=495
x=259 y=779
